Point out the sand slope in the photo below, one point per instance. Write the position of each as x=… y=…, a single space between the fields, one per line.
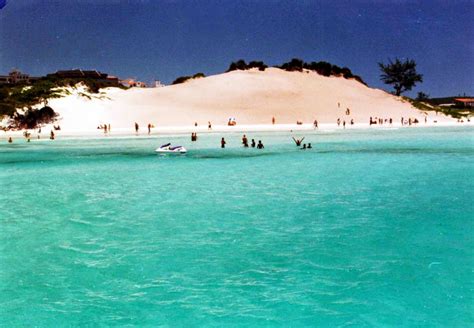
x=252 y=97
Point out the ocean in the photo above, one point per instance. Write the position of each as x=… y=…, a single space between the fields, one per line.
x=368 y=228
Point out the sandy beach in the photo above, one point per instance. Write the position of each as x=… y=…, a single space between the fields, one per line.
x=252 y=97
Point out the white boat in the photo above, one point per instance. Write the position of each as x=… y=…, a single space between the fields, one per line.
x=168 y=149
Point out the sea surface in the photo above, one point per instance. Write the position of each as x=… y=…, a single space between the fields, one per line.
x=370 y=228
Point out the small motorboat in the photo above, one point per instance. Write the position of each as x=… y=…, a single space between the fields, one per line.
x=168 y=149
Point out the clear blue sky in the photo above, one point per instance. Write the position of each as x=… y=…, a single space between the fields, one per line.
x=149 y=39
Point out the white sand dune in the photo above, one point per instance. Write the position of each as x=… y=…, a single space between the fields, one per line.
x=252 y=97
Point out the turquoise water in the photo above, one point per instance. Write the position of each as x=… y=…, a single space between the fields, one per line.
x=369 y=228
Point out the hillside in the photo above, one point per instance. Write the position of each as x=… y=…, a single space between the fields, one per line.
x=252 y=97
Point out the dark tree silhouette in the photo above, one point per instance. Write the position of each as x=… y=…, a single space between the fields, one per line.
x=295 y=64
x=34 y=118
x=422 y=96
x=183 y=79
x=242 y=65
x=402 y=75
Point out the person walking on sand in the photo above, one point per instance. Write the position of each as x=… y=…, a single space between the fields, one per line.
x=209 y=125
x=315 y=123
x=105 y=128
x=344 y=124
x=273 y=120
x=109 y=128
x=260 y=145
x=51 y=135
x=149 y=128
x=338 y=121
x=136 y=127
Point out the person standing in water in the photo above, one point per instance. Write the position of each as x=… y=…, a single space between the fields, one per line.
x=149 y=128
x=223 y=143
x=253 y=143
x=260 y=145
x=298 y=141
x=245 y=141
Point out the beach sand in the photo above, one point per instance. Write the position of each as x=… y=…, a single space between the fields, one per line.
x=252 y=97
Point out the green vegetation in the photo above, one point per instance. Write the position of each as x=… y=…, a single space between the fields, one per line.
x=17 y=100
x=297 y=65
x=455 y=111
x=421 y=96
x=242 y=65
x=34 y=118
x=183 y=79
x=402 y=75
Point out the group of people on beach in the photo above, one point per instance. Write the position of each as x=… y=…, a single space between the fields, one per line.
x=105 y=127
x=381 y=121
x=27 y=135
x=149 y=127
x=411 y=121
x=344 y=122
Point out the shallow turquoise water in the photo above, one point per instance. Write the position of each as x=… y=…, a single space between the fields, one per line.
x=370 y=228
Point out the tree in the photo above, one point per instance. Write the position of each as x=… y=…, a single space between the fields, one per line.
x=181 y=79
x=295 y=64
x=402 y=75
x=198 y=75
x=422 y=96
x=34 y=118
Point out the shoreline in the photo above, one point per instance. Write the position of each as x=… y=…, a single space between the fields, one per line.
x=224 y=129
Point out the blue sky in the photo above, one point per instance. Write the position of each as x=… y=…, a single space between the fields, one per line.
x=158 y=39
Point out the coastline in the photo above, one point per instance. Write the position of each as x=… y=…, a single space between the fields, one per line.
x=216 y=129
